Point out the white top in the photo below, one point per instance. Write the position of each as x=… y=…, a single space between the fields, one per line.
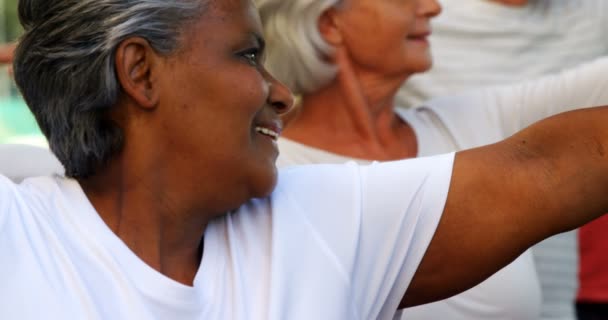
x=482 y=43
x=332 y=242
x=474 y=119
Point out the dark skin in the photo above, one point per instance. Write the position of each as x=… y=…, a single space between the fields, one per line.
x=506 y=197
x=192 y=152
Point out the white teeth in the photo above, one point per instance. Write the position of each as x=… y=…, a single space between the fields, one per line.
x=268 y=132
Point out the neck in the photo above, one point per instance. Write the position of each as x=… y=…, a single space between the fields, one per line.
x=157 y=226
x=354 y=116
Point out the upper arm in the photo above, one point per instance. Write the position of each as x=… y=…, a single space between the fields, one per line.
x=482 y=227
x=506 y=197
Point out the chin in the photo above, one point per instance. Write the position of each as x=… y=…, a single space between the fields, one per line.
x=265 y=182
x=423 y=65
x=418 y=63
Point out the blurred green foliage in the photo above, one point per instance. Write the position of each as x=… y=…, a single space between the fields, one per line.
x=13 y=27
x=17 y=124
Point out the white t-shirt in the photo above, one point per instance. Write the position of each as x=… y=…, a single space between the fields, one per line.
x=479 y=43
x=332 y=242
x=474 y=119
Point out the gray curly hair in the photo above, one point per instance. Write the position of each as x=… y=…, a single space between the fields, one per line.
x=64 y=67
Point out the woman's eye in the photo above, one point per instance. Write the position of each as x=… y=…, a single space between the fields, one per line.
x=252 y=57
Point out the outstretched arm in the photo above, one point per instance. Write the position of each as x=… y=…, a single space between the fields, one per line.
x=504 y=198
x=500 y=112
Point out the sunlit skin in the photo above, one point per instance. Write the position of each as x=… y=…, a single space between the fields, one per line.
x=194 y=147
x=378 y=46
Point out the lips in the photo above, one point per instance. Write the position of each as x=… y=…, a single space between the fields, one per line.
x=419 y=35
x=271 y=129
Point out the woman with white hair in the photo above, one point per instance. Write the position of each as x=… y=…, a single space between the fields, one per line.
x=347 y=59
x=166 y=121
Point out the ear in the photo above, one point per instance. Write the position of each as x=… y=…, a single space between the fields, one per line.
x=329 y=27
x=135 y=63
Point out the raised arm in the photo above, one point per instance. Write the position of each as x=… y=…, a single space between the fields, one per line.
x=505 y=197
x=499 y=112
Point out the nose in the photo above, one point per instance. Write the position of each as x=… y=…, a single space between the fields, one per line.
x=429 y=8
x=280 y=97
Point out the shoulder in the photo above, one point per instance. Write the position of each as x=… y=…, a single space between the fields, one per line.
x=37 y=196
x=14 y=200
x=350 y=190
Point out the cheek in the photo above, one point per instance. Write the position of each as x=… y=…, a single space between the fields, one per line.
x=252 y=89
x=237 y=101
x=383 y=34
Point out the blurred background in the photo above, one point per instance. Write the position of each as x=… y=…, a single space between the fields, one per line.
x=17 y=125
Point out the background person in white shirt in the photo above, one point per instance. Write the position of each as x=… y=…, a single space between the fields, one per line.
x=481 y=43
x=166 y=123
x=347 y=69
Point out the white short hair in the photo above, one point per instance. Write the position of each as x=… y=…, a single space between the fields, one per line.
x=297 y=54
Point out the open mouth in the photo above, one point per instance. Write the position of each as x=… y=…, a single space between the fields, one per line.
x=420 y=36
x=268 y=132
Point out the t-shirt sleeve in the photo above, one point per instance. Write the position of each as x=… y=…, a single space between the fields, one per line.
x=499 y=112
x=374 y=221
x=401 y=205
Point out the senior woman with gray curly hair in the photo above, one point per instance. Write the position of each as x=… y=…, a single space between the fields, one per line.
x=348 y=58
x=166 y=123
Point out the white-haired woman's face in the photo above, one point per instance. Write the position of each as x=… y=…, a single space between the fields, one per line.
x=388 y=36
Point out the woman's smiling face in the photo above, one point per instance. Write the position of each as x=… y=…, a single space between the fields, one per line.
x=222 y=119
x=388 y=36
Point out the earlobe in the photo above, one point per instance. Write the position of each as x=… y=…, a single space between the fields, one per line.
x=134 y=66
x=329 y=27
